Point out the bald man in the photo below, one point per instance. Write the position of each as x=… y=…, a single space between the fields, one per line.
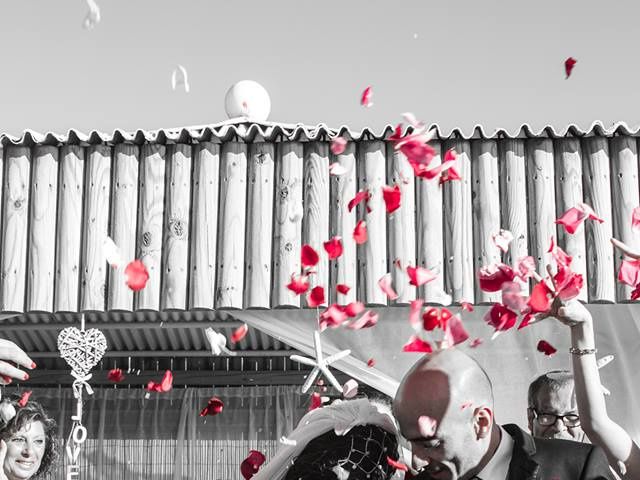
x=445 y=409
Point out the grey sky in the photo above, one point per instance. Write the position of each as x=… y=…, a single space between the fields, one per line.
x=496 y=63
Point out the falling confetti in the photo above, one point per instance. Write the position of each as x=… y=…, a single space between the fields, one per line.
x=239 y=333
x=365 y=99
x=214 y=407
x=575 y=216
x=416 y=344
x=316 y=297
x=250 y=465
x=385 y=285
x=546 y=348
x=115 y=375
x=308 y=256
x=182 y=79
x=569 y=63
x=360 y=232
x=333 y=247
x=298 y=285
x=136 y=275
x=391 y=196
x=165 y=385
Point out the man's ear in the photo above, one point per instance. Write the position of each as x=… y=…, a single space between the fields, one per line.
x=530 y=418
x=483 y=422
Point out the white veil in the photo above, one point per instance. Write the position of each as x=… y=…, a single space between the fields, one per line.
x=340 y=416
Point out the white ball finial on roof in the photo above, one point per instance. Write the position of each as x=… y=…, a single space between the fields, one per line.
x=248 y=99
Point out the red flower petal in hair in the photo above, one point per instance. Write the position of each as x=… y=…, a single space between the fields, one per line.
x=546 y=348
x=250 y=465
x=315 y=297
x=309 y=257
x=115 y=375
x=239 y=333
x=214 y=407
x=24 y=398
x=360 y=232
x=391 y=196
x=416 y=344
x=136 y=275
x=333 y=247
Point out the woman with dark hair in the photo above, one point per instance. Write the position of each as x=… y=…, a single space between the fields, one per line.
x=347 y=440
x=28 y=442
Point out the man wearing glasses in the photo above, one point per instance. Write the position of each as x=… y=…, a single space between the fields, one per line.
x=553 y=412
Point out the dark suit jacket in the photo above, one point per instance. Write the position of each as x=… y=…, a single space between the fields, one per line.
x=539 y=459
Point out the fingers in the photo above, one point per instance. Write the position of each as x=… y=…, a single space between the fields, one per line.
x=10 y=352
x=625 y=248
x=8 y=370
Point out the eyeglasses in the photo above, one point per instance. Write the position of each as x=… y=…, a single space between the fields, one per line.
x=547 y=419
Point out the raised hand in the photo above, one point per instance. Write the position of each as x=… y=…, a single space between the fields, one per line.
x=10 y=352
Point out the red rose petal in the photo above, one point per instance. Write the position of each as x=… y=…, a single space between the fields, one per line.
x=371 y=363
x=414 y=313
x=569 y=63
x=466 y=306
x=455 y=332
x=298 y=285
x=385 y=285
x=540 y=298
x=332 y=317
x=365 y=98
x=309 y=257
x=391 y=196
x=342 y=288
x=629 y=272
x=419 y=275
x=431 y=319
x=214 y=407
x=316 y=401
x=354 y=309
x=165 y=385
x=24 y=398
x=500 y=317
x=136 y=275
x=360 y=196
x=316 y=297
x=476 y=342
x=512 y=297
x=635 y=219
x=367 y=320
x=572 y=219
x=416 y=344
x=115 y=375
x=546 y=348
x=635 y=294
x=334 y=247
x=525 y=267
x=250 y=465
x=397 y=464
x=239 y=333
x=360 y=232
x=491 y=277
x=338 y=145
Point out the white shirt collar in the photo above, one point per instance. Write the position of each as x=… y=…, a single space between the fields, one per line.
x=498 y=466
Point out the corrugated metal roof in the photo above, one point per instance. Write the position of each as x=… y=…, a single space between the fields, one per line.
x=142 y=331
x=241 y=129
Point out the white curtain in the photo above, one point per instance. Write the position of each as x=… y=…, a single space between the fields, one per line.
x=511 y=360
x=164 y=438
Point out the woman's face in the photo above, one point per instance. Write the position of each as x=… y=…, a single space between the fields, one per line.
x=24 y=451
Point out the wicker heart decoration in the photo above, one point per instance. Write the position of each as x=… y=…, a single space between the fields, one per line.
x=82 y=349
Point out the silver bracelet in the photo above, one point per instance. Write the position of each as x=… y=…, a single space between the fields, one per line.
x=583 y=351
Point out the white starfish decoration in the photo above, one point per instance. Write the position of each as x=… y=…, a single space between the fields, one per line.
x=320 y=364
